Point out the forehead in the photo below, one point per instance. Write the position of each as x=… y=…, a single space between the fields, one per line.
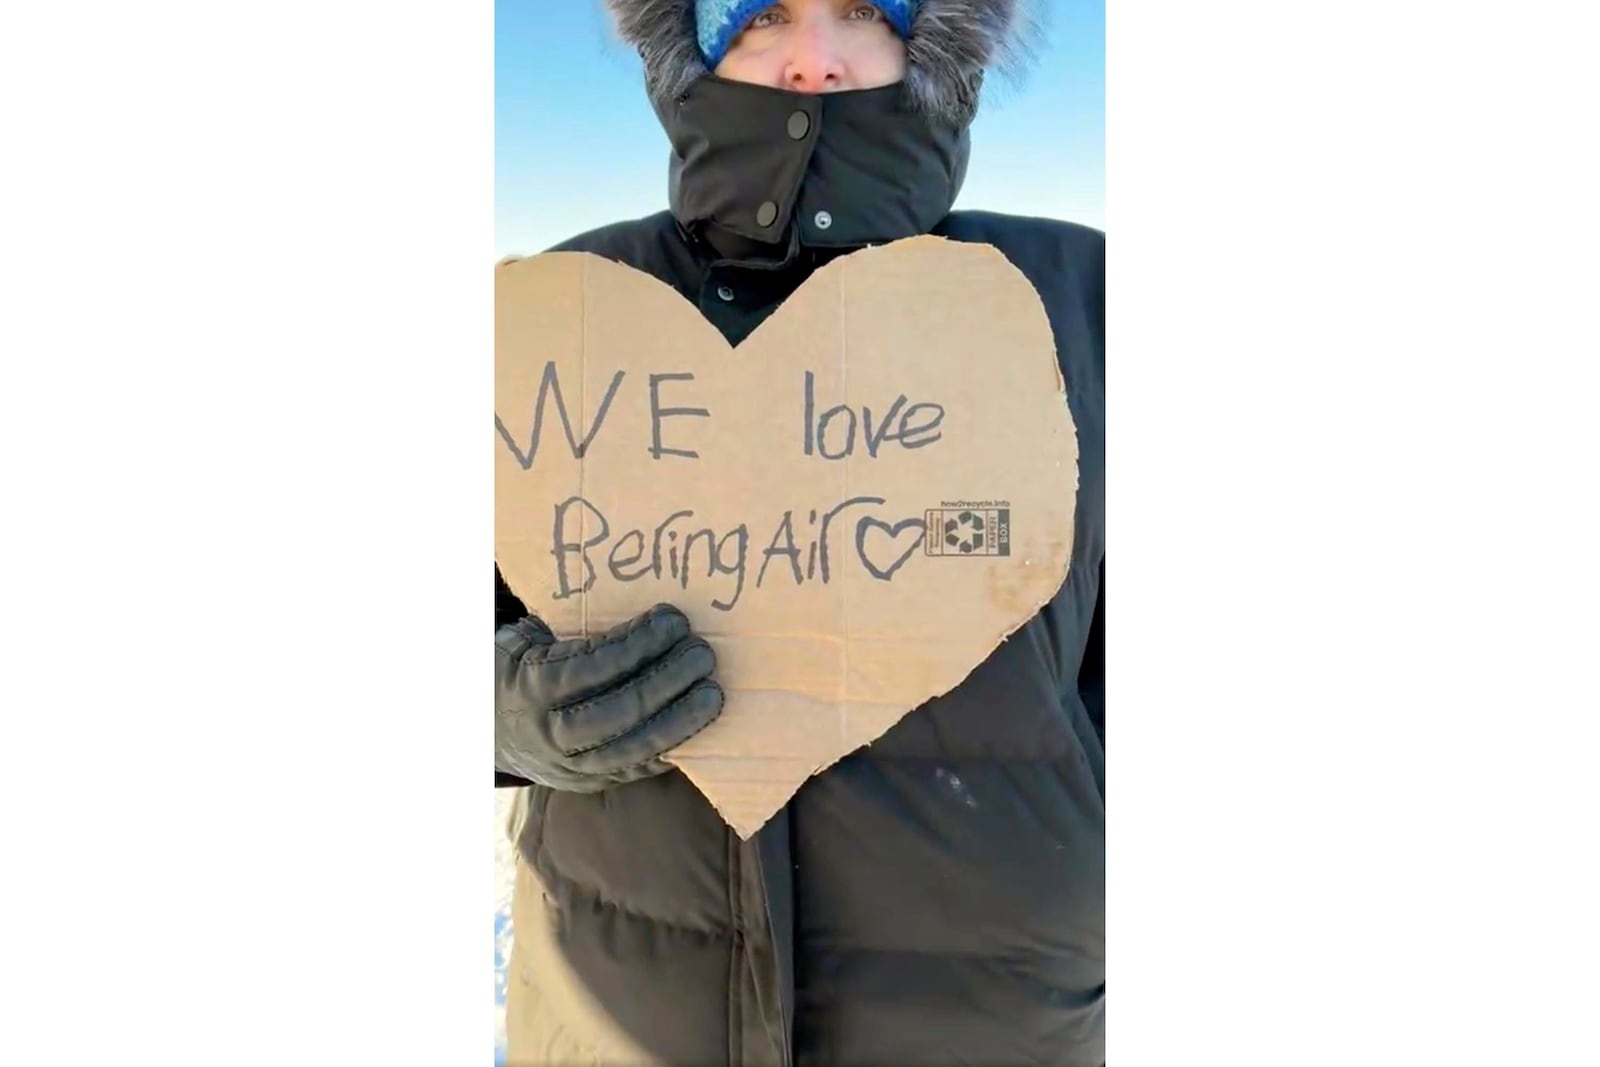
x=838 y=5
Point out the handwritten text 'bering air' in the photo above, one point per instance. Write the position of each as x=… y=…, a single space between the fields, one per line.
x=679 y=549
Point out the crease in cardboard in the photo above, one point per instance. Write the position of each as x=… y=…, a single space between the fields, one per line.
x=583 y=408
x=844 y=477
x=941 y=325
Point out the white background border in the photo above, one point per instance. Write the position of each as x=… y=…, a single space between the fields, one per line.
x=1351 y=626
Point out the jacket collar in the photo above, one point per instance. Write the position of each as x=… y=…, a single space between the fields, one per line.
x=763 y=175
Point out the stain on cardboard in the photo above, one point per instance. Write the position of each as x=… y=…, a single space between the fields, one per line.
x=854 y=509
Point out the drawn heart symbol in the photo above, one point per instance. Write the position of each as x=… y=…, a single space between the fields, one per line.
x=868 y=524
x=773 y=493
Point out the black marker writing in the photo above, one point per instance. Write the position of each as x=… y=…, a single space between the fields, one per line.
x=682 y=550
x=549 y=384
x=824 y=436
x=657 y=413
x=894 y=530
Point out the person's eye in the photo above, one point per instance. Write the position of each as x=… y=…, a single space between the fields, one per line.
x=770 y=17
x=865 y=13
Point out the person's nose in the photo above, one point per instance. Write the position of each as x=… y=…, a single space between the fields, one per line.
x=815 y=65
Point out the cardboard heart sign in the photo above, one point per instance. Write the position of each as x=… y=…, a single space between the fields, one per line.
x=855 y=506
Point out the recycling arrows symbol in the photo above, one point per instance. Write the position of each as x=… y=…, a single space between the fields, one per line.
x=953 y=532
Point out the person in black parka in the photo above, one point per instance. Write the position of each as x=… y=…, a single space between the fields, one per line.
x=938 y=896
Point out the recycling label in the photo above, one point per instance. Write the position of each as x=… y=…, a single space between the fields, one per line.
x=976 y=530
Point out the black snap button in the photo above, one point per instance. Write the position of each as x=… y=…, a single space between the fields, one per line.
x=725 y=294
x=799 y=125
x=767 y=214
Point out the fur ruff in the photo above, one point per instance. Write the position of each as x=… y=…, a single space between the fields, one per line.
x=952 y=44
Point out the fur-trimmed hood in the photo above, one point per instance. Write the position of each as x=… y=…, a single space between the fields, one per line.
x=952 y=44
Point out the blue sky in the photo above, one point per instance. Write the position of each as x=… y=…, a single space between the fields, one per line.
x=577 y=146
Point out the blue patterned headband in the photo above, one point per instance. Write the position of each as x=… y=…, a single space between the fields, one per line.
x=718 y=22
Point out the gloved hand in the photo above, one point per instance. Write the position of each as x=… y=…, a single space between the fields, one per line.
x=586 y=714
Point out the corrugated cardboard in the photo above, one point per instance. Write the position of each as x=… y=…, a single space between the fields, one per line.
x=917 y=379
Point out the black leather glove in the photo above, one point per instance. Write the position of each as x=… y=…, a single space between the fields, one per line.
x=584 y=715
